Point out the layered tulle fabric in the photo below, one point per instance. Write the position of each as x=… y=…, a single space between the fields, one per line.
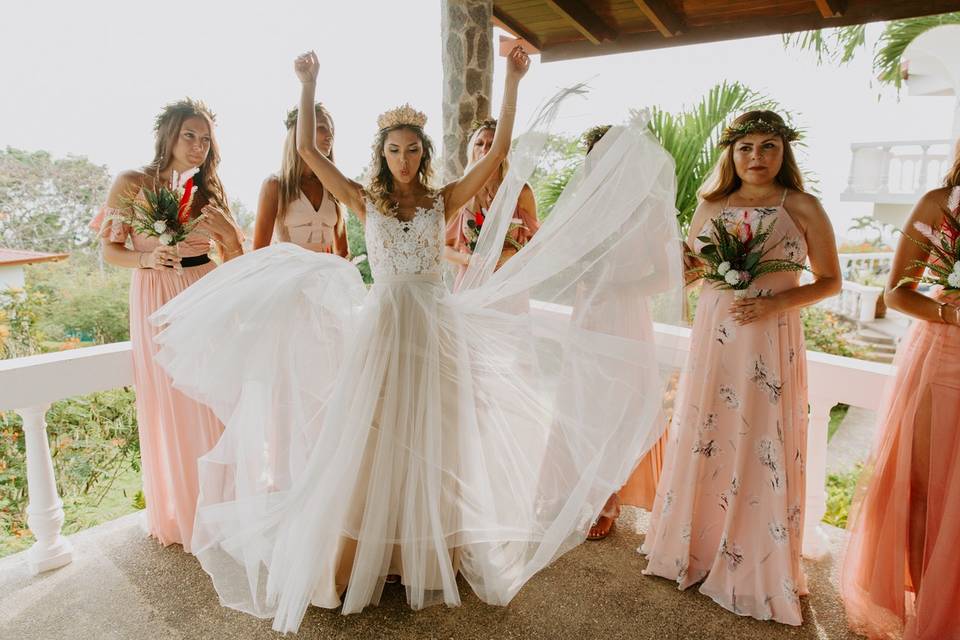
x=918 y=444
x=174 y=430
x=406 y=430
x=729 y=508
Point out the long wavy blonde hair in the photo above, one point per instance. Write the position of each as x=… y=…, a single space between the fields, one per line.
x=166 y=132
x=291 y=168
x=952 y=179
x=724 y=180
x=380 y=185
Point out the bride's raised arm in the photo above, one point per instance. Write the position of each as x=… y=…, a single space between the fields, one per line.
x=458 y=193
x=343 y=188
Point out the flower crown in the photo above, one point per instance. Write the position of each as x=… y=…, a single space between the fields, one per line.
x=294 y=113
x=592 y=135
x=404 y=115
x=734 y=132
x=482 y=123
x=187 y=106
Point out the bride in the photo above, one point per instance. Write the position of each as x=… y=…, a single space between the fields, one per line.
x=408 y=431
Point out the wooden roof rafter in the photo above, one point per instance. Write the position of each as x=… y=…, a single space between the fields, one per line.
x=583 y=19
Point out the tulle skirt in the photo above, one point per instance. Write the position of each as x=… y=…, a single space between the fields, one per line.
x=407 y=430
x=918 y=446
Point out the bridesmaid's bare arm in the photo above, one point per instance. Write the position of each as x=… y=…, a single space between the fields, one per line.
x=905 y=298
x=343 y=188
x=125 y=187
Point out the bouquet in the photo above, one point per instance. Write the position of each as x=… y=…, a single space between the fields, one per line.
x=943 y=245
x=734 y=259
x=474 y=226
x=165 y=213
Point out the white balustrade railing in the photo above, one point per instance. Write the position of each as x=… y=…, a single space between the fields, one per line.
x=896 y=171
x=855 y=302
x=30 y=385
x=852 y=264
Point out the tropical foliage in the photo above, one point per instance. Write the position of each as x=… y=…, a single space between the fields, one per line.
x=690 y=136
x=841 y=45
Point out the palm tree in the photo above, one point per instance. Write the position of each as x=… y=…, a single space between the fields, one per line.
x=690 y=136
x=841 y=45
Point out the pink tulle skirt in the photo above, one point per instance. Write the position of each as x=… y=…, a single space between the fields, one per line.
x=917 y=452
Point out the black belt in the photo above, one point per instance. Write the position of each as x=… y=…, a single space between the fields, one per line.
x=194 y=261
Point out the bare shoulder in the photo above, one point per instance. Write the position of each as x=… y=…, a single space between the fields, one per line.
x=805 y=209
x=271 y=184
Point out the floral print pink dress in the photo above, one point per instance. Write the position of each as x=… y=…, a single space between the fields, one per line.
x=729 y=508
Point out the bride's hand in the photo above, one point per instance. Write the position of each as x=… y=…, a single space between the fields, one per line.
x=307 y=66
x=517 y=63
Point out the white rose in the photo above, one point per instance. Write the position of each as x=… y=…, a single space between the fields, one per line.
x=956 y=266
x=166 y=239
x=723 y=268
x=159 y=226
x=732 y=277
x=954 y=280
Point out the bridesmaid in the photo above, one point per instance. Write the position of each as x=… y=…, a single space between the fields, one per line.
x=174 y=430
x=294 y=205
x=458 y=232
x=729 y=508
x=901 y=573
x=640 y=489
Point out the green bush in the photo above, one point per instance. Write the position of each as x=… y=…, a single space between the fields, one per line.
x=840 y=490
x=358 y=245
x=96 y=458
x=825 y=333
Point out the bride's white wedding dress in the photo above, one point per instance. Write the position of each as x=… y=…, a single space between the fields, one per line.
x=405 y=430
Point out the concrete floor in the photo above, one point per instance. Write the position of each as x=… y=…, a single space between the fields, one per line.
x=123 y=585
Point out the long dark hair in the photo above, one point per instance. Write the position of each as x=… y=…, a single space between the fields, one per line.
x=381 y=180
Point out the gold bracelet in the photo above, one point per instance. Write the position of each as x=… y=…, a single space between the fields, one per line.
x=940 y=313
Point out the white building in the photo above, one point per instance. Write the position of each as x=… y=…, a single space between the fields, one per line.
x=894 y=174
x=12 y=262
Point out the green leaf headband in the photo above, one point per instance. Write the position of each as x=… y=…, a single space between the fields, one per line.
x=734 y=132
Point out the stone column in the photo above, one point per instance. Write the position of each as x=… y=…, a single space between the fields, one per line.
x=467 y=36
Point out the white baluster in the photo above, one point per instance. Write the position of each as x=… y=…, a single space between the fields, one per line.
x=815 y=542
x=922 y=176
x=868 y=304
x=885 y=171
x=45 y=510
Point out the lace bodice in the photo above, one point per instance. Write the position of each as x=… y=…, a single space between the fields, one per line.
x=398 y=247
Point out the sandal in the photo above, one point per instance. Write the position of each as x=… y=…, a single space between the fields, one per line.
x=603 y=525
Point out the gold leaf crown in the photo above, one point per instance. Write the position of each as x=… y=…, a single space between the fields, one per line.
x=187 y=106
x=400 y=116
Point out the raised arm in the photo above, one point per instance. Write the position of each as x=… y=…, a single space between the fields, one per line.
x=458 y=193
x=343 y=188
x=905 y=298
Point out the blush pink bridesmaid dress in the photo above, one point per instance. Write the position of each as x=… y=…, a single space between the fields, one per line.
x=174 y=429
x=729 y=508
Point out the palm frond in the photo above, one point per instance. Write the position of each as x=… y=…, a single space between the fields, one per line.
x=896 y=37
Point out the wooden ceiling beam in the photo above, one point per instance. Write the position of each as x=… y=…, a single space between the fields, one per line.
x=831 y=8
x=505 y=22
x=860 y=12
x=667 y=21
x=583 y=19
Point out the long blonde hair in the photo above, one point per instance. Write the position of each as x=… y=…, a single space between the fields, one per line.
x=380 y=185
x=952 y=179
x=488 y=124
x=291 y=169
x=724 y=180
x=166 y=132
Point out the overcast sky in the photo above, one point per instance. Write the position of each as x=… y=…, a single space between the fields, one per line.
x=87 y=78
